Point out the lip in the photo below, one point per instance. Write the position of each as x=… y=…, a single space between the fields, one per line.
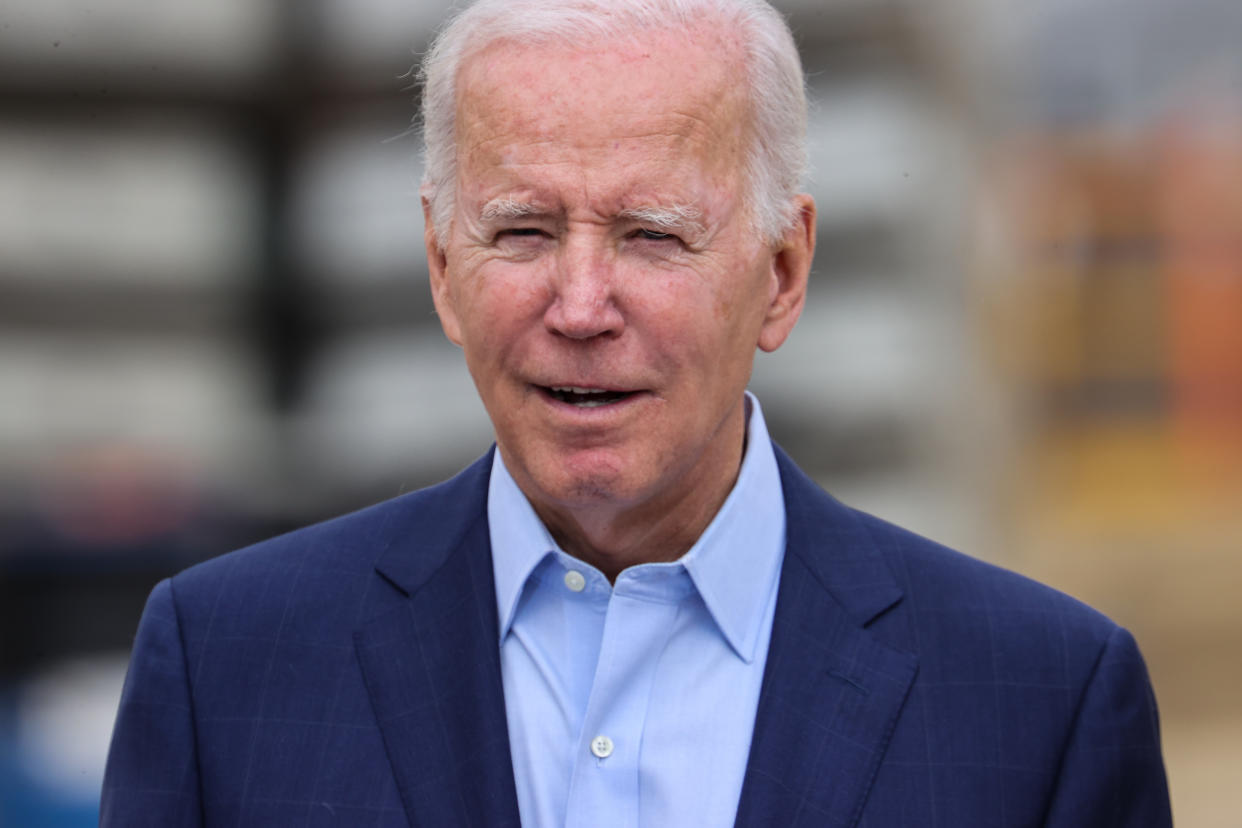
x=615 y=389
x=594 y=413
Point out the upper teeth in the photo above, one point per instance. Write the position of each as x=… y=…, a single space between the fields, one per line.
x=573 y=389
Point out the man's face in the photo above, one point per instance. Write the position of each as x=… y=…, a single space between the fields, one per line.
x=601 y=241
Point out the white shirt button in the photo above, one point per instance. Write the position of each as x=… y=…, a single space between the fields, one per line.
x=575 y=581
x=601 y=746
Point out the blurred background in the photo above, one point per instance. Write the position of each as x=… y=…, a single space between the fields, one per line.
x=1024 y=335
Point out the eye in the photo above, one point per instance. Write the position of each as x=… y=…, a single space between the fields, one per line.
x=520 y=238
x=654 y=235
x=525 y=232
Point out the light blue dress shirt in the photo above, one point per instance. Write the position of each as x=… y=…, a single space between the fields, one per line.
x=633 y=704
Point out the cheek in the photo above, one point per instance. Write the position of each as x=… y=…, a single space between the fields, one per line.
x=745 y=307
x=733 y=308
x=496 y=304
x=692 y=310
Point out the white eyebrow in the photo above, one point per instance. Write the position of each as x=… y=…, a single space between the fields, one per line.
x=676 y=217
x=507 y=207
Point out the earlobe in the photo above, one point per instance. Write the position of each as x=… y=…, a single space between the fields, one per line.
x=791 y=268
x=437 y=268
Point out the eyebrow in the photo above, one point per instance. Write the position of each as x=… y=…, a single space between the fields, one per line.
x=683 y=217
x=507 y=207
x=676 y=217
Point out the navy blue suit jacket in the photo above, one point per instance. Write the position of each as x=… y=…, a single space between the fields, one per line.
x=349 y=674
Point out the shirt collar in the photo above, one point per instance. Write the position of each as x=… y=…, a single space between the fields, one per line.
x=520 y=541
x=734 y=564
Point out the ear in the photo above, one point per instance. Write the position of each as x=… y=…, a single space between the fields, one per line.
x=437 y=267
x=791 y=267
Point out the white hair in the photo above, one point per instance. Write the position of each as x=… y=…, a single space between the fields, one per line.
x=774 y=161
x=675 y=217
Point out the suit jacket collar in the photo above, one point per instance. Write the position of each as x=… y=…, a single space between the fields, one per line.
x=433 y=524
x=431 y=663
x=828 y=539
x=831 y=692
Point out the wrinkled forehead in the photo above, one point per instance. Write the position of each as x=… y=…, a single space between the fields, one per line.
x=711 y=48
x=672 y=94
x=616 y=86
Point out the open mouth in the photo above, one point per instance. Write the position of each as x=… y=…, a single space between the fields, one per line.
x=586 y=397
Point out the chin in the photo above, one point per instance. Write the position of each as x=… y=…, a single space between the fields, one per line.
x=588 y=492
x=592 y=480
x=585 y=478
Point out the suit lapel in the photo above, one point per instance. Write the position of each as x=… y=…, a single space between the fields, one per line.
x=431 y=661
x=831 y=691
x=430 y=658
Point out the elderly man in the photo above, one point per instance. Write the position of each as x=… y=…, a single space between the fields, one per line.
x=635 y=610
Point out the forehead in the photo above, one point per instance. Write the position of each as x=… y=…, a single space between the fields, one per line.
x=651 y=107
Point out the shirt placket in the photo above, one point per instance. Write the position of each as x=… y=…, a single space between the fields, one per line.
x=605 y=787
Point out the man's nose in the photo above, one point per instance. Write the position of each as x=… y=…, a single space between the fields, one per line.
x=584 y=302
